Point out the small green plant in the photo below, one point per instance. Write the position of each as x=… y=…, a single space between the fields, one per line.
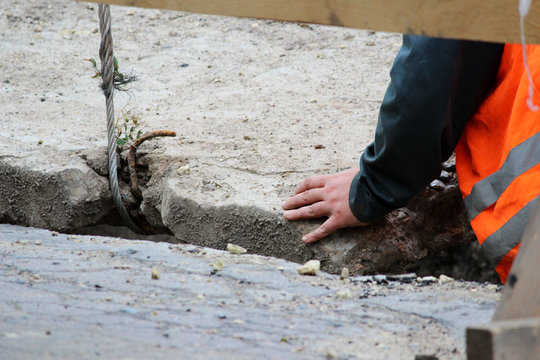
x=120 y=79
x=128 y=123
x=127 y=128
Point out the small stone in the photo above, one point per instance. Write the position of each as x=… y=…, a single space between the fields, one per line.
x=155 y=274
x=331 y=354
x=310 y=268
x=38 y=242
x=217 y=266
x=344 y=273
x=343 y=294
x=437 y=185
x=445 y=175
x=443 y=279
x=235 y=249
x=183 y=170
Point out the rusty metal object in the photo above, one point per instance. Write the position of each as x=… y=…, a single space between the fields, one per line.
x=132 y=158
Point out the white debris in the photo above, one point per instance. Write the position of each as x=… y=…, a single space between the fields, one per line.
x=344 y=273
x=217 y=266
x=155 y=274
x=183 y=170
x=235 y=249
x=426 y=280
x=310 y=268
x=445 y=279
x=343 y=294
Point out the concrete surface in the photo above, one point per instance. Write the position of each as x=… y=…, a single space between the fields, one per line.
x=81 y=297
x=258 y=106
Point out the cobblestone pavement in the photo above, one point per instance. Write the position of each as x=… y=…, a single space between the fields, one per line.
x=81 y=297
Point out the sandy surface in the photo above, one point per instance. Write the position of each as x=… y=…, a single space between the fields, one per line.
x=245 y=96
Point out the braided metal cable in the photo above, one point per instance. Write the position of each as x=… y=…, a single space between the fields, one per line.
x=107 y=73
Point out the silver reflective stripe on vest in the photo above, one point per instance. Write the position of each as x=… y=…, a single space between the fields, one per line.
x=487 y=191
x=498 y=244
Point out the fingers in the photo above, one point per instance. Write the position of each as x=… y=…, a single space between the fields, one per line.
x=311 y=183
x=304 y=198
x=312 y=211
x=328 y=227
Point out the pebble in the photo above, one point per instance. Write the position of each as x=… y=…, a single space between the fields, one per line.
x=443 y=279
x=344 y=273
x=217 y=266
x=343 y=294
x=155 y=274
x=38 y=242
x=310 y=268
x=183 y=170
x=437 y=185
x=235 y=249
x=331 y=354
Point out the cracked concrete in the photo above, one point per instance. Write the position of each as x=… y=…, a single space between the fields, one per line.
x=70 y=296
x=258 y=106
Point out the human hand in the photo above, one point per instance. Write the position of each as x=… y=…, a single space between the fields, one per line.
x=323 y=195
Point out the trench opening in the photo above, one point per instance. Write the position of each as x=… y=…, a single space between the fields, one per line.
x=463 y=262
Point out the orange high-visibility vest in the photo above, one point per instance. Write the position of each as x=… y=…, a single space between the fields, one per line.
x=498 y=159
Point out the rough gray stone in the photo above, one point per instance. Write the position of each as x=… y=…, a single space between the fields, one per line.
x=88 y=297
x=53 y=191
x=431 y=222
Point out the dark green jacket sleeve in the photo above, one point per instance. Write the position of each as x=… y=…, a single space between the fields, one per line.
x=436 y=86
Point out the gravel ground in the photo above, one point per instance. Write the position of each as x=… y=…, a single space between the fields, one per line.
x=65 y=296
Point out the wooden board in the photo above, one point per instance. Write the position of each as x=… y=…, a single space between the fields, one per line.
x=501 y=340
x=489 y=20
x=521 y=295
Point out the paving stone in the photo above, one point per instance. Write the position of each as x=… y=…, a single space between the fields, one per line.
x=249 y=309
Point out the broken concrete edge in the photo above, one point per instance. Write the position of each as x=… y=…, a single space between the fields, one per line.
x=425 y=227
x=69 y=193
x=63 y=195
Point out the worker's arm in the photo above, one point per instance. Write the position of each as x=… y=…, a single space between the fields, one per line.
x=436 y=86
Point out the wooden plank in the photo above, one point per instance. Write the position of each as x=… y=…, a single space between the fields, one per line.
x=489 y=20
x=501 y=340
x=521 y=295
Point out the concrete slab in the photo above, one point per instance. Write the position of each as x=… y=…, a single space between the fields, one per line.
x=66 y=296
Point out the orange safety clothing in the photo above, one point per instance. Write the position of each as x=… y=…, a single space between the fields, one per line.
x=498 y=159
